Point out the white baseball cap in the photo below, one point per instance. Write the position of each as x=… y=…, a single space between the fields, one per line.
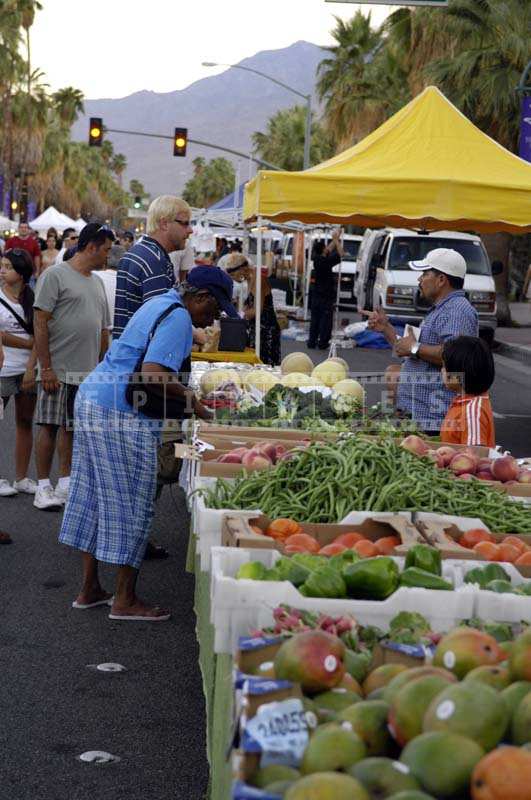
x=444 y=260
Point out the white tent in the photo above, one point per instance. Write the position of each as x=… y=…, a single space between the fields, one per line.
x=51 y=218
x=7 y=224
x=79 y=224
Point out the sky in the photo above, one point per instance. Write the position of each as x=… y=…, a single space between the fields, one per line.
x=112 y=48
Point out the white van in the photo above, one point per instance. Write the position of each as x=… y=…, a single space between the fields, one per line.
x=385 y=279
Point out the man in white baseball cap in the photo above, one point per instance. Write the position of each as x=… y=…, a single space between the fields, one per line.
x=421 y=393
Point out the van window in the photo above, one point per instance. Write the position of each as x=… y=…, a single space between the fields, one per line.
x=407 y=249
x=289 y=248
x=351 y=248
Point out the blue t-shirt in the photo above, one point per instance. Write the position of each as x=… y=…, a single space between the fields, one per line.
x=171 y=344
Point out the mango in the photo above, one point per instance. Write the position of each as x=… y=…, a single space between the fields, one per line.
x=520 y=657
x=381 y=676
x=383 y=777
x=313 y=658
x=327 y=786
x=442 y=762
x=496 y=677
x=521 y=724
x=463 y=649
x=410 y=705
x=332 y=747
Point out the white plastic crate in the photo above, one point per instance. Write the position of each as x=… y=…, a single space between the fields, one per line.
x=239 y=605
x=207 y=522
x=496 y=607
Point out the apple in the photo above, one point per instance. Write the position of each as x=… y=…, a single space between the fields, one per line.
x=415 y=445
x=446 y=454
x=462 y=463
x=505 y=469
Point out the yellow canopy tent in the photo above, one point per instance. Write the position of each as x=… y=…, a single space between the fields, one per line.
x=427 y=166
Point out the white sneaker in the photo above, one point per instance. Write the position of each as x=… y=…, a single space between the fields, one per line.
x=46 y=500
x=6 y=490
x=61 y=494
x=26 y=485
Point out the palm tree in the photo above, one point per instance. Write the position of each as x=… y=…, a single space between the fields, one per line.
x=69 y=103
x=283 y=142
x=212 y=180
x=118 y=166
x=342 y=79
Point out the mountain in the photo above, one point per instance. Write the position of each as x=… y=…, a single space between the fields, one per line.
x=223 y=109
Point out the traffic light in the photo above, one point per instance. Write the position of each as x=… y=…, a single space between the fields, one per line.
x=95 y=132
x=180 y=140
x=138 y=201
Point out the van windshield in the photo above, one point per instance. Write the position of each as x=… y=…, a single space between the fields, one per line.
x=409 y=248
x=351 y=248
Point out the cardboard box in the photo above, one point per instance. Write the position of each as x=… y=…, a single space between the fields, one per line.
x=444 y=532
x=238 y=531
x=387 y=652
x=206 y=429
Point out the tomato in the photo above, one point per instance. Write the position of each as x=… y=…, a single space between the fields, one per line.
x=366 y=548
x=310 y=544
x=386 y=545
x=475 y=535
x=508 y=553
x=488 y=551
x=348 y=539
x=332 y=549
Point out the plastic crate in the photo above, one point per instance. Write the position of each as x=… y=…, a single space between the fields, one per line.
x=237 y=606
x=493 y=606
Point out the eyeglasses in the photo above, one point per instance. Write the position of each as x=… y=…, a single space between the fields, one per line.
x=186 y=224
x=72 y=237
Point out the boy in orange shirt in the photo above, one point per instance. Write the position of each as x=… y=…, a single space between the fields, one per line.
x=468 y=370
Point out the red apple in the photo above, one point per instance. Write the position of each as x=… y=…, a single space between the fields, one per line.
x=505 y=469
x=415 y=445
x=446 y=453
x=462 y=463
x=485 y=475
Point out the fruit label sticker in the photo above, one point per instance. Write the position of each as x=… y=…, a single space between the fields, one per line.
x=330 y=663
x=445 y=710
x=449 y=659
x=279 y=731
x=403 y=768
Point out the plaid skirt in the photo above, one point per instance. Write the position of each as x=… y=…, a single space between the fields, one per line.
x=112 y=485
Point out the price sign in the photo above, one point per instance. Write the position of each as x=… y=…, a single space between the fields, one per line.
x=281 y=731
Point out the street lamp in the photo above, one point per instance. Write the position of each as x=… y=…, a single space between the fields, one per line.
x=306 y=97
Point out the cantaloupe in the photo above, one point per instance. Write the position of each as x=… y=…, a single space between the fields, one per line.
x=260 y=379
x=350 y=387
x=213 y=378
x=294 y=380
x=328 y=373
x=296 y=362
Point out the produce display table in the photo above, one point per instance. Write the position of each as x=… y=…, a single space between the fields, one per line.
x=247 y=356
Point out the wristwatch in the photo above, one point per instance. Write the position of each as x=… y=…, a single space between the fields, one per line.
x=415 y=349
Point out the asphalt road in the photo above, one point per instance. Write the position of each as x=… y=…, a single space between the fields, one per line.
x=53 y=706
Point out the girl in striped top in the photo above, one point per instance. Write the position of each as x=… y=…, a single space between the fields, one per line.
x=468 y=370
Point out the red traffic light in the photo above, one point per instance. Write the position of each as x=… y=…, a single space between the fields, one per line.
x=95 y=132
x=180 y=141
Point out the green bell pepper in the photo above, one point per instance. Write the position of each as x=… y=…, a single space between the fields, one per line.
x=486 y=574
x=342 y=559
x=502 y=587
x=253 y=570
x=325 y=582
x=524 y=589
x=371 y=578
x=422 y=579
x=424 y=557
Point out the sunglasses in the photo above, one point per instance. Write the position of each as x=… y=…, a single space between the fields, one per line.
x=186 y=224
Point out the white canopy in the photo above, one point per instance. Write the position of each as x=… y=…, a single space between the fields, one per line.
x=7 y=224
x=52 y=218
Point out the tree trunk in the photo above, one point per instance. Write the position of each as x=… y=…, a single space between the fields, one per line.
x=498 y=247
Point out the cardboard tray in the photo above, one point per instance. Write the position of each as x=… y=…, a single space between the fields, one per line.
x=237 y=531
x=444 y=533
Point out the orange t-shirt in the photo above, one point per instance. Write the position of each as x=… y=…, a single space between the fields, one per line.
x=469 y=421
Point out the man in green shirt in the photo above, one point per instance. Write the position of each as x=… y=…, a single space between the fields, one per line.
x=71 y=335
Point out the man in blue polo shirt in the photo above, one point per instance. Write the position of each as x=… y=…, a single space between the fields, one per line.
x=146 y=271
x=421 y=392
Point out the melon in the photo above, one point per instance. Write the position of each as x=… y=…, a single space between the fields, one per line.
x=329 y=372
x=350 y=387
x=213 y=378
x=296 y=362
x=260 y=379
x=342 y=361
x=296 y=379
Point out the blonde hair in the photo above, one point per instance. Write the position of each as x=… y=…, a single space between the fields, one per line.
x=236 y=260
x=164 y=209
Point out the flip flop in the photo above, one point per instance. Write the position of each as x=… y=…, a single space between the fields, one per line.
x=139 y=617
x=107 y=602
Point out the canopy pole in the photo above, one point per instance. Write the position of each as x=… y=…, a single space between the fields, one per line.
x=307 y=273
x=258 y=288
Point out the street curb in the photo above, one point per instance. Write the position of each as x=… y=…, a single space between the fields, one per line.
x=514 y=351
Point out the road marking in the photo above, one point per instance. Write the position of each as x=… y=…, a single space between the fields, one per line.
x=510 y=416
